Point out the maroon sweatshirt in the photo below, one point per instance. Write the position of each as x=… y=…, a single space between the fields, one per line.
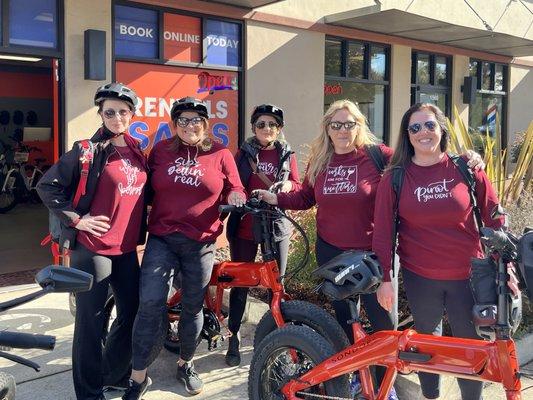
x=437 y=231
x=268 y=164
x=188 y=186
x=119 y=196
x=344 y=194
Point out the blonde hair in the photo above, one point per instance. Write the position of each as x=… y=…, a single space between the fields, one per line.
x=322 y=147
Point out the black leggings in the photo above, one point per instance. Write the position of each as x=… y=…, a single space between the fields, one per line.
x=93 y=367
x=245 y=251
x=428 y=299
x=379 y=318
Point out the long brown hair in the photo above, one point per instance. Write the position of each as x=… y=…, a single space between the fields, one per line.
x=404 y=149
x=322 y=148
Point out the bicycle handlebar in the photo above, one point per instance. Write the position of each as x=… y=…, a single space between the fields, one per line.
x=21 y=340
x=253 y=205
x=501 y=242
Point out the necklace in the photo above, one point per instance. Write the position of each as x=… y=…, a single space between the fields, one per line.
x=125 y=161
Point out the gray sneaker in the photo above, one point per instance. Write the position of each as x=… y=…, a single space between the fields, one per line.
x=135 y=391
x=186 y=374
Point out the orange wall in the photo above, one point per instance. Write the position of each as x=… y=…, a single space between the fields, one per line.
x=16 y=84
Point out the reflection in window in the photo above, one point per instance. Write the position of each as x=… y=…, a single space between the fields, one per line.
x=498 y=77
x=482 y=116
x=377 y=63
x=473 y=68
x=485 y=76
x=33 y=23
x=422 y=68
x=436 y=98
x=333 y=58
x=355 y=60
x=441 y=78
x=369 y=97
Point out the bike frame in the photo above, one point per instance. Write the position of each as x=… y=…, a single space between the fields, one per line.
x=409 y=351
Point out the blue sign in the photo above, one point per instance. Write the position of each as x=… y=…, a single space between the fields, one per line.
x=136 y=32
x=223 y=43
x=33 y=23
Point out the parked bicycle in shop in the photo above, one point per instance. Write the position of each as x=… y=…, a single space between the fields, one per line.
x=295 y=362
x=53 y=279
x=18 y=179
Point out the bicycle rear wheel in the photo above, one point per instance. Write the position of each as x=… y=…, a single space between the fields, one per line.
x=8 y=196
x=7 y=387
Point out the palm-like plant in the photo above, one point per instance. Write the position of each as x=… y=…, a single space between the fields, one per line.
x=508 y=188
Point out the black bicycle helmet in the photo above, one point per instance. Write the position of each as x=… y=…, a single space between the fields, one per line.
x=268 y=109
x=31 y=118
x=4 y=117
x=18 y=117
x=188 y=104
x=350 y=273
x=118 y=91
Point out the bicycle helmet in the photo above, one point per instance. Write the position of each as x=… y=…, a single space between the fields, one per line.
x=18 y=117
x=118 y=91
x=268 y=109
x=31 y=118
x=4 y=117
x=188 y=104
x=350 y=273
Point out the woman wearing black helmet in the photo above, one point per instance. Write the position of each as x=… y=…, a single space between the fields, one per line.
x=265 y=161
x=102 y=233
x=190 y=176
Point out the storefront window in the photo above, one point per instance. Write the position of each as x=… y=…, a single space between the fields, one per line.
x=33 y=23
x=422 y=69
x=487 y=112
x=364 y=80
x=136 y=32
x=222 y=41
x=441 y=71
x=333 y=57
x=182 y=38
x=430 y=80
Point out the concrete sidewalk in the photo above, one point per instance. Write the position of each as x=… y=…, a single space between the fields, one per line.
x=50 y=315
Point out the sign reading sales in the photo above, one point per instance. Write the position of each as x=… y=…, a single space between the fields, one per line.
x=157 y=86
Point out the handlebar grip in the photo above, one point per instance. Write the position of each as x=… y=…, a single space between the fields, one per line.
x=21 y=340
x=226 y=208
x=496 y=239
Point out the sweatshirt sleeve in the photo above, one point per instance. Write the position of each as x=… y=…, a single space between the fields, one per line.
x=232 y=181
x=487 y=200
x=57 y=186
x=294 y=176
x=301 y=199
x=383 y=225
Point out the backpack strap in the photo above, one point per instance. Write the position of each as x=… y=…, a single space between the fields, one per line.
x=86 y=158
x=470 y=180
x=376 y=155
x=397 y=183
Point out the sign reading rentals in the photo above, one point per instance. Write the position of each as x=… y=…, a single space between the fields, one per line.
x=157 y=87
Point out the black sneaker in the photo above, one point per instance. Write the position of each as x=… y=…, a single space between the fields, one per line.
x=233 y=356
x=135 y=391
x=186 y=374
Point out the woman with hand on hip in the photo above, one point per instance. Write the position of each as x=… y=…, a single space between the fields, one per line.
x=264 y=161
x=190 y=177
x=102 y=233
x=437 y=232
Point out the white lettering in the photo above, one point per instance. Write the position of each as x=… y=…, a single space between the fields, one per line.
x=149 y=107
x=136 y=31
x=222 y=109
x=181 y=37
x=435 y=190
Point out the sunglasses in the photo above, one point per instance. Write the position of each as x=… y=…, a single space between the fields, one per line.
x=184 y=122
x=110 y=113
x=348 y=125
x=263 y=124
x=413 y=129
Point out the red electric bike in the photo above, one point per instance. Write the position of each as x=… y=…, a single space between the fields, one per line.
x=295 y=362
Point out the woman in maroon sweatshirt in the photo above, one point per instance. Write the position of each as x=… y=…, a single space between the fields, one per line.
x=191 y=176
x=102 y=232
x=437 y=233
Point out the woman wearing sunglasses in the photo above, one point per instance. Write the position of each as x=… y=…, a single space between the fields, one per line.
x=102 y=233
x=191 y=176
x=264 y=161
x=438 y=235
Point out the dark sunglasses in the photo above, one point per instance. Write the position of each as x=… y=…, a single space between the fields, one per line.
x=110 y=113
x=184 y=122
x=263 y=124
x=348 y=125
x=417 y=127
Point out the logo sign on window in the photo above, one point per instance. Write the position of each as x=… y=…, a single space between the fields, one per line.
x=157 y=86
x=136 y=32
x=182 y=38
x=222 y=40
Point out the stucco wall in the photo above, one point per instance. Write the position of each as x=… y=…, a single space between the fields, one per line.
x=520 y=112
x=400 y=88
x=460 y=69
x=286 y=67
x=80 y=114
